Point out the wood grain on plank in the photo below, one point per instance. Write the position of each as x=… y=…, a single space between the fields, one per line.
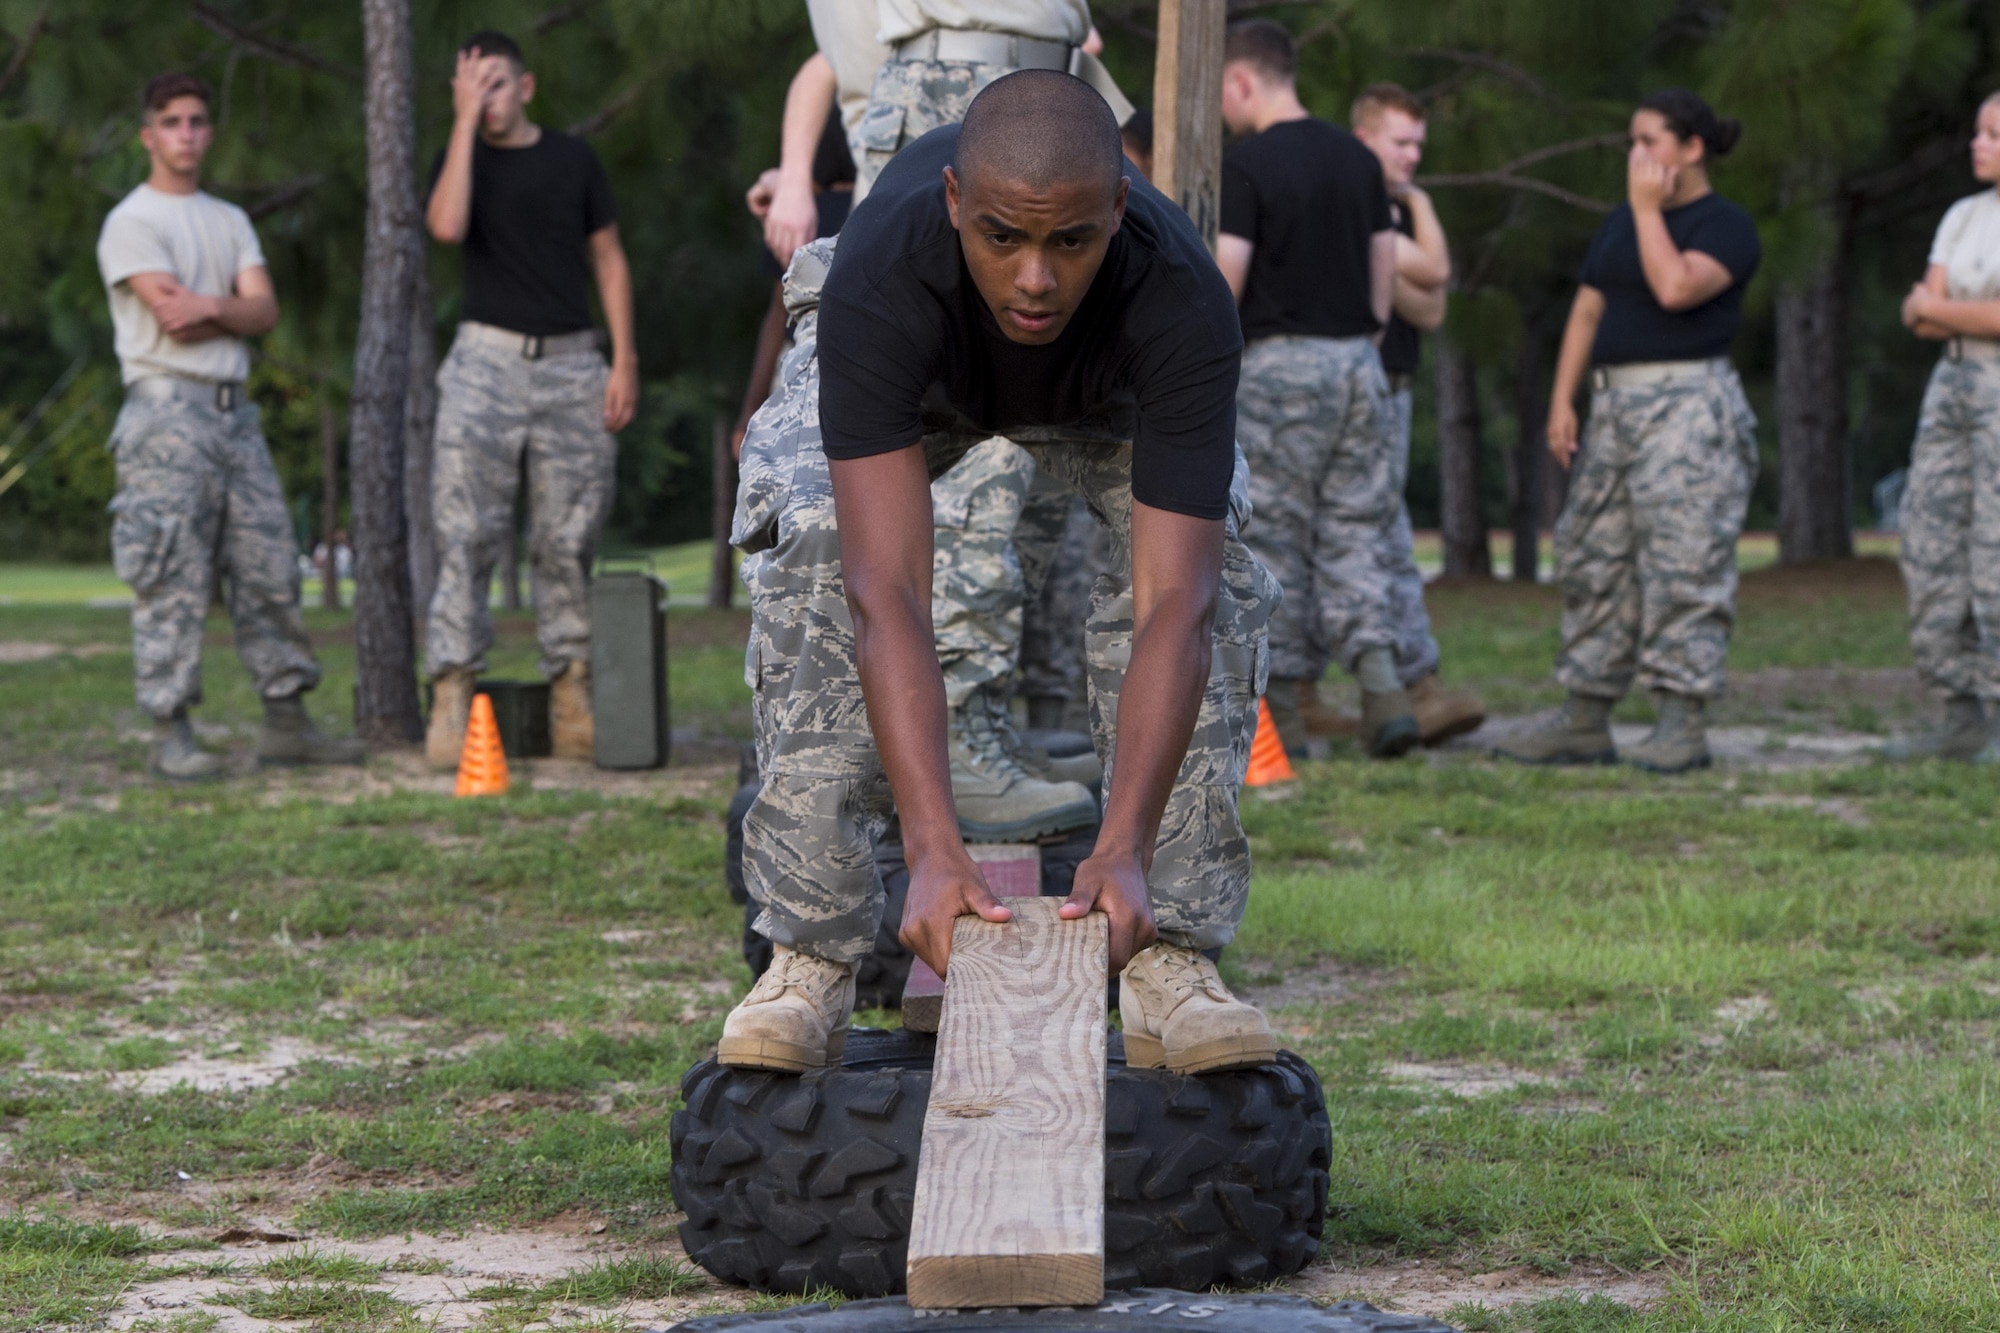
x=1010 y=1179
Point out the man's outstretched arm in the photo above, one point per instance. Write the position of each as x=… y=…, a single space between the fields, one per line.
x=1176 y=580
x=883 y=506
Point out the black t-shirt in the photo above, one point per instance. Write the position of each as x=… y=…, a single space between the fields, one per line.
x=1400 y=352
x=533 y=212
x=906 y=341
x=1309 y=197
x=1636 y=327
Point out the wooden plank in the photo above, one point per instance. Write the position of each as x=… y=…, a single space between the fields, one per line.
x=1187 y=109
x=1012 y=870
x=1010 y=1179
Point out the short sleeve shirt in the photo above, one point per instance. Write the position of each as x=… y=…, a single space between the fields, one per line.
x=906 y=339
x=527 y=265
x=1044 y=20
x=1635 y=326
x=203 y=243
x=1968 y=246
x=844 y=31
x=1309 y=198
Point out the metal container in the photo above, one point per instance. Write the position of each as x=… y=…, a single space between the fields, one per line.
x=628 y=670
x=521 y=707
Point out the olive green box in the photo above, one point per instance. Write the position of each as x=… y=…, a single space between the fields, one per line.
x=628 y=670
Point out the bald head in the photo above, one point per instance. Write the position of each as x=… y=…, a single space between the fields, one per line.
x=1039 y=128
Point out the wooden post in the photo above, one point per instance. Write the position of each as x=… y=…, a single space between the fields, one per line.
x=1009 y=1207
x=329 y=460
x=1012 y=870
x=722 y=512
x=1187 y=109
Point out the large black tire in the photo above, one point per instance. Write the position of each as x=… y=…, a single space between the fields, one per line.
x=1148 y=1307
x=796 y=1182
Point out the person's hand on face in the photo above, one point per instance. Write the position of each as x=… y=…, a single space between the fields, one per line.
x=472 y=82
x=1649 y=182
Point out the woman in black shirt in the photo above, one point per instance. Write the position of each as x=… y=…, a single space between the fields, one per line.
x=1646 y=547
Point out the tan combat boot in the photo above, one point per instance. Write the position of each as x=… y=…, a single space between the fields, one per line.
x=1679 y=739
x=794 y=1018
x=1961 y=736
x=291 y=739
x=1578 y=733
x=1322 y=720
x=451 y=704
x=176 y=757
x=998 y=799
x=1179 y=1016
x=1388 y=718
x=572 y=726
x=1079 y=768
x=1442 y=713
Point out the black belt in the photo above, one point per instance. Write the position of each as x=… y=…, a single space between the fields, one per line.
x=225 y=395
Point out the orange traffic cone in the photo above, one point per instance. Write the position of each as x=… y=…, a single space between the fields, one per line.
x=1268 y=763
x=482 y=765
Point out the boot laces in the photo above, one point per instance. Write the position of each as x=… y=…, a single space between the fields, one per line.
x=1185 y=971
x=814 y=979
x=983 y=743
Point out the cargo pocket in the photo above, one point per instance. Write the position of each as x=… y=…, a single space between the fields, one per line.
x=881 y=130
x=770 y=457
x=142 y=545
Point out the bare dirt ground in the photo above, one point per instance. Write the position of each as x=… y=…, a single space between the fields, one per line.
x=1427 y=1287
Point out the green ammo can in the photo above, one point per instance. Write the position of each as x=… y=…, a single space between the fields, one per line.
x=628 y=670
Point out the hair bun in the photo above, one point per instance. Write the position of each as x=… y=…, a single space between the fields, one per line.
x=1724 y=135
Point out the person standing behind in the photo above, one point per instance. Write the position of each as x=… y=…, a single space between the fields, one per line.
x=197 y=494
x=533 y=210
x=1646 y=546
x=1390 y=123
x=1951 y=508
x=1308 y=247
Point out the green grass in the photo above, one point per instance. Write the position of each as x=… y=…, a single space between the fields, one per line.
x=1730 y=1041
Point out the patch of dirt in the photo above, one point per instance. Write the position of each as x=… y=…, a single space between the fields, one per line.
x=1323 y=981
x=1744 y=747
x=223 y=1071
x=16 y=651
x=1746 y=1010
x=1463 y=1080
x=1843 y=810
x=405 y=771
x=479 y=1262
x=1426 y=1287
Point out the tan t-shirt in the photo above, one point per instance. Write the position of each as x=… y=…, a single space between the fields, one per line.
x=1046 y=20
x=845 y=32
x=203 y=243
x=1968 y=245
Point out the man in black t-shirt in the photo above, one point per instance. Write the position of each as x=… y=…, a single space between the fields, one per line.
x=1308 y=248
x=1000 y=279
x=1389 y=122
x=525 y=378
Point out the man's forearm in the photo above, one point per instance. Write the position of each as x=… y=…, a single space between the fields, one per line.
x=450 y=209
x=614 y=291
x=245 y=316
x=1382 y=275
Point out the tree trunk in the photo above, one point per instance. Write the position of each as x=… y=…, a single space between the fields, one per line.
x=385 y=681
x=420 y=404
x=1815 y=482
x=329 y=461
x=1187 y=109
x=1531 y=410
x=1462 y=516
x=722 y=513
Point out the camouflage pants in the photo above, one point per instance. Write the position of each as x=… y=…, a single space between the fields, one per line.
x=1416 y=647
x=909 y=100
x=1951 y=531
x=1646 y=545
x=809 y=838
x=499 y=411
x=1052 y=628
x=197 y=498
x=998 y=520
x=1313 y=416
